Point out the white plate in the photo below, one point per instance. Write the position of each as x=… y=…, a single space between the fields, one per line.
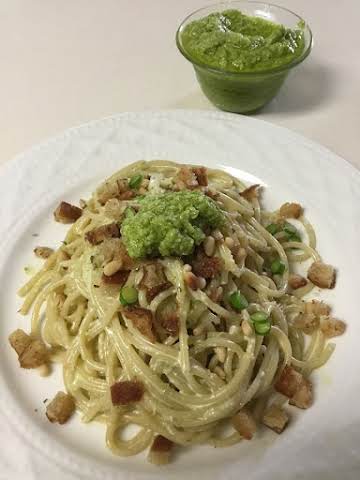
x=323 y=441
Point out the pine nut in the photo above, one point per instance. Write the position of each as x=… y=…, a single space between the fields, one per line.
x=246 y=328
x=209 y=246
x=220 y=353
x=112 y=267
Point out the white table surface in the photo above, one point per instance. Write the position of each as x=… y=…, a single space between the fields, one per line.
x=67 y=62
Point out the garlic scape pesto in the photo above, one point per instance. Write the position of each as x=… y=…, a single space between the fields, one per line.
x=235 y=42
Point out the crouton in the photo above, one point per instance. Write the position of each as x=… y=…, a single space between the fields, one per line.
x=322 y=275
x=115 y=189
x=186 y=179
x=206 y=267
x=317 y=308
x=250 y=193
x=291 y=210
x=244 y=423
x=297 y=281
x=170 y=323
x=32 y=353
x=126 y=392
x=35 y=355
x=332 y=327
x=19 y=340
x=99 y=234
x=160 y=450
x=60 y=409
x=289 y=382
x=275 y=418
x=201 y=176
x=154 y=280
x=307 y=322
x=43 y=252
x=142 y=320
x=67 y=213
x=303 y=398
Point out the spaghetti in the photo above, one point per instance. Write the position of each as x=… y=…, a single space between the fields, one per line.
x=232 y=332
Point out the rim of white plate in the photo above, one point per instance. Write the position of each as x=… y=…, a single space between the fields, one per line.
x=80 y=463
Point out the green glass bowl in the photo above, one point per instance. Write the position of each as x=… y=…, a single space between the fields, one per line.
x=245 y=92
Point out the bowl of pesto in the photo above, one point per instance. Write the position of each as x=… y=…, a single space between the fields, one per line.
x=243 y=51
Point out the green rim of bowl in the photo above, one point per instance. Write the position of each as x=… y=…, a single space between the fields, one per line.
x=282 y=68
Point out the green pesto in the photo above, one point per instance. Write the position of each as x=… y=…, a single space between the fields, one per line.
x=235 y=42
x=169 y=224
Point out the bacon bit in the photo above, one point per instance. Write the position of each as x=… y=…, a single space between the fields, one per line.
x=289 y=382
x=317 y=308
x=126 y=392
x=201 y=176
x=67 y=213
x=291 y=210
x=43 y=252
x=32 y=353
x=61 y=408
x=154 y=280
x=303 y=398
x=118 y=278
x=275 y=418
x=332 y=327
x=142 y=320
x=297 y=281
x=206 y=267
x=114 y=249
x=170 y=323
x=307 y=322
x=99 y=234
x=250 y=193
x=244 y=423
x=322 y=275
x=160 y=450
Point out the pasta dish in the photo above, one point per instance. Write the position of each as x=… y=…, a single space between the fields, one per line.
x=179 y=305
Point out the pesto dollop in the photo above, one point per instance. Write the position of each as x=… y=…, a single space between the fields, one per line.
x=169 y=224
x=235 y=42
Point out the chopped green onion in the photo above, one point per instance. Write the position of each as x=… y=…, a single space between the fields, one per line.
x=290 y=229
x=135 y=181
x=128 y=296
x=238 y=301
x=262 y=328
x=294 y=238
x=259 y=317
x=277 y=267
x=273 y=228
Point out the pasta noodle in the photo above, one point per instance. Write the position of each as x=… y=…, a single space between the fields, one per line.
x=197 y=378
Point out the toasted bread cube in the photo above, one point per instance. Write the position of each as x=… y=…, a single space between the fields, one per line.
x=332 y=327
x=291 y=210
x=275 y=418
x=244 y=423
x=126 y=392
x=35 y=355
x=60 y=409
x=303 y=398
x=160 y=450
x=289 y=382
x=67 y=213
x=322 y=275
x=19 y=340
